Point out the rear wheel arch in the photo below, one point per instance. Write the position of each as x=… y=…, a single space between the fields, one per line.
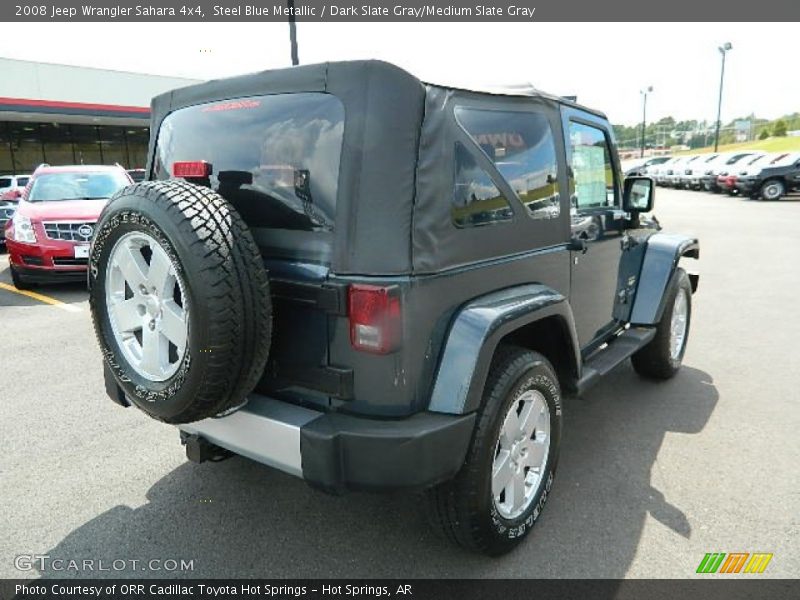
x=478 y=330
x=550 y=337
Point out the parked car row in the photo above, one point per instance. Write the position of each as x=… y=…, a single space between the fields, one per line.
x=753 y=173
x=47 y=232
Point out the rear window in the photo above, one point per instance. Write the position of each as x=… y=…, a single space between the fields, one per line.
x=275 y=158
x=53 y=187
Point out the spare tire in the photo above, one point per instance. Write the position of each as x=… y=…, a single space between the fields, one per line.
x=180 y=300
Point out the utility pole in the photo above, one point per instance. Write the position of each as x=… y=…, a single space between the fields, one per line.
x=722 y=50
x=293 y=33
x=644 y=93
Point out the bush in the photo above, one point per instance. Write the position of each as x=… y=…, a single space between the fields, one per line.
x=764 y=133
x=780 y=128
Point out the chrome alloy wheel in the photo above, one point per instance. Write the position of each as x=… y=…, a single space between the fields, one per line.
x=147 y=306
x=677 y=328
x=521 y=454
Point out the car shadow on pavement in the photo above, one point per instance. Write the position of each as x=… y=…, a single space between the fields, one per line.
x=72 y=292
x=240 y=519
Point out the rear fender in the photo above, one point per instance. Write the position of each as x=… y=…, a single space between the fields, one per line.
x=475 y=333
x=659 y=264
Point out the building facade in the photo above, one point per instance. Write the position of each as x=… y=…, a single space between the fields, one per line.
x=63 y=115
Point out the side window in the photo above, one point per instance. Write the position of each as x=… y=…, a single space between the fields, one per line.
x=593 y=172
x=477 y=201
x=522 y=148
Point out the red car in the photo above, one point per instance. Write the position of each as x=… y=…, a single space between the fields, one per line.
x=727 y=183
x=48 y=237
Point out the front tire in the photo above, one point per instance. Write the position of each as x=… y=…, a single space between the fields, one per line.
x=498 y=495
x=774 y=189
x=18 y=281
x=662 y=357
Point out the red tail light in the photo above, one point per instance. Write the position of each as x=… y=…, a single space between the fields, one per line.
x=374 y=318
x=194 y=168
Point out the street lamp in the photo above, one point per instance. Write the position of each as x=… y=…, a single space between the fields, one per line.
x=644 y=93
x=723 y=50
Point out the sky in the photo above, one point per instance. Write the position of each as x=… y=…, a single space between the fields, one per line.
x=604 y=64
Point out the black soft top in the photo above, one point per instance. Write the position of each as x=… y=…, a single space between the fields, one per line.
x=395 y=170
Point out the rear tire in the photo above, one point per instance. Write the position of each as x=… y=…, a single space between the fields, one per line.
x=180 y=300
x=477 y=510
x=661 y=358
x=18 y=281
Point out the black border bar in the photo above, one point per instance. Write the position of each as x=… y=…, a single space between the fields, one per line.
x=371 y=11
x=707 y=588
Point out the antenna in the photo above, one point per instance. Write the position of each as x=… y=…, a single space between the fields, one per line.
x=292 y=33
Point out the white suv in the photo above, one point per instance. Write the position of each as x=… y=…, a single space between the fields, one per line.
x=692 y=177
x=11 y=186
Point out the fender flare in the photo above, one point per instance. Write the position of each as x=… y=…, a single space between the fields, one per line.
x=475 y=333
x=658 y=267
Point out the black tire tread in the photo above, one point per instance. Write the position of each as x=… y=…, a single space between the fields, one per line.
x=451 y=505
x=19 y=282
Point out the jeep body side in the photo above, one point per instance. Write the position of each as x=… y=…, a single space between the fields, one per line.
x=476 y=222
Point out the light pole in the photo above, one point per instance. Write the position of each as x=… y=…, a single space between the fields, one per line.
x=723 y=50
x=644 y=93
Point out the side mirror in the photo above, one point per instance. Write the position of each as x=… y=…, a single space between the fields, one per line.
x=639 y=195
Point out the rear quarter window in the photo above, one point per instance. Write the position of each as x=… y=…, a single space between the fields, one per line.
x=520 y=145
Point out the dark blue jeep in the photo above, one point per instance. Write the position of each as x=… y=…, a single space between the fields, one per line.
x=373 y=282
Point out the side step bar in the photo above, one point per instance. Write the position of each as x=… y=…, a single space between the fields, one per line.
x=619 y=349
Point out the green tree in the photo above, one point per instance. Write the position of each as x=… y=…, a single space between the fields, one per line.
x=764 y=133
x=779 y=130
x=698 y=141
x=726 y=137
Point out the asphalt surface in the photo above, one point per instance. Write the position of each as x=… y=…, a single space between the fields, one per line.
x=652 y=475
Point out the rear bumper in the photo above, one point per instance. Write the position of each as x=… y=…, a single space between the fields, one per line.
x=339 y=452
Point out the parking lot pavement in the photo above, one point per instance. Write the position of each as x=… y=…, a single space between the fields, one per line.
x=652 y=476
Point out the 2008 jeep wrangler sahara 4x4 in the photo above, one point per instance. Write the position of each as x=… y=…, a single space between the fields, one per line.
x=372 y=282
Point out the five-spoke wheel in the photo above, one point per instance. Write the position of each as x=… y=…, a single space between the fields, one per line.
x=521 y=455
x=147 y=305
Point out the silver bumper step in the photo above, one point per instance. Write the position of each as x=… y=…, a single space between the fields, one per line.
x=265 y=430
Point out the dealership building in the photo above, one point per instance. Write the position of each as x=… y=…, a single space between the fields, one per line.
x=62 y=115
